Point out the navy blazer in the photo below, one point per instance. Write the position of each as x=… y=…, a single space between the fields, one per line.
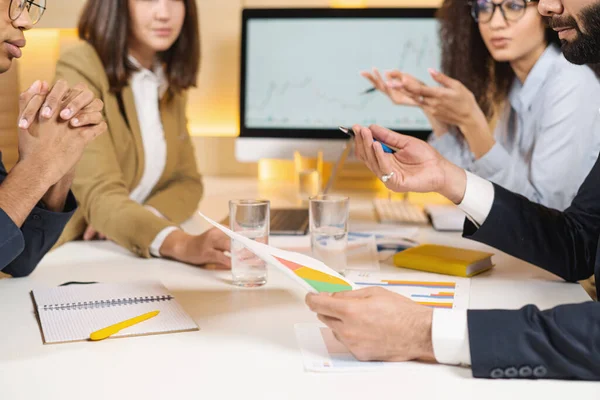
x=561 y=343
x=22 y=249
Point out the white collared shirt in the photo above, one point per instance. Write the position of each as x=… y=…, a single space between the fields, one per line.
x=148 y=89
x=449 y=329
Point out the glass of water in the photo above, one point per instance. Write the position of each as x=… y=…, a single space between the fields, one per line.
x=249 y=218
x=329 y=230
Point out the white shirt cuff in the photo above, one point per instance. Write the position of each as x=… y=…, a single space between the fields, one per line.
x=478 y=200
x=155 y=212
x=450 y=337
x=159 y=240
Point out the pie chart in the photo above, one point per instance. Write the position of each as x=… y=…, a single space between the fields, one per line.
x=320 y=281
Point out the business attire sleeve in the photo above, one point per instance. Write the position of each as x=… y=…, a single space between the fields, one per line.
x=21 y=249
x=564 y=243
x=40 y=232
x=561 y=343
x=106 y=173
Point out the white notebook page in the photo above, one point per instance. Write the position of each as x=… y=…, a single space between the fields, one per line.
x=65 y=317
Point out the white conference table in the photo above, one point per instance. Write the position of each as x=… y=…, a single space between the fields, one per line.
x=246 y=347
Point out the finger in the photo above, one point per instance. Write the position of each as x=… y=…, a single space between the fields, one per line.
x=92 y=132
x=96 y=105
x=422 y=91
x=101 y=236
x=442 y=79
x=27 y=115
x=384 y=164
x=30 y=113
x=394 y=75
x=333 y=323
x=219 y=258
x=89 y=234
x=54 y=99
x=221 y=242
x=45 y=88
x=83 y=99
x=27 y=95
x=389 y=137
x=380 y=82
x=358 y=143
x=86 y=119
x=354 y=294
x=369 y=152
x=328 y=306
x=370 y=77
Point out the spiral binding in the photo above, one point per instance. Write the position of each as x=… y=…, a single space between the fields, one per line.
x=87 y=305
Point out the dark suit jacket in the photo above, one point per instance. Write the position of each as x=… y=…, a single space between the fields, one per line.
x=561 y=343
x=22 y=249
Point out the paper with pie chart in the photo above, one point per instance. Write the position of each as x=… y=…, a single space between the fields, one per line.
x=311 y=274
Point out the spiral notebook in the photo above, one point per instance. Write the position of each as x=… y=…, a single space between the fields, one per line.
x=71 y=313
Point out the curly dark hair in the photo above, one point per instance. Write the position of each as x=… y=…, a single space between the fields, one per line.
x=466 y=58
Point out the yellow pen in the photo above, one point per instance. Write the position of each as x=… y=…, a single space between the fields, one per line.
x=111 y=330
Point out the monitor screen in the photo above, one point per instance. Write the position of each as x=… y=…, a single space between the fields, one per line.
x=301 y=71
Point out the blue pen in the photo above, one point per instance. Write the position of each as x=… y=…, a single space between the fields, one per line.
x=391 y=247
x=386 y=148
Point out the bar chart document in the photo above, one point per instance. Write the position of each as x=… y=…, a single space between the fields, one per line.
x=322 y=352
x=431 y=290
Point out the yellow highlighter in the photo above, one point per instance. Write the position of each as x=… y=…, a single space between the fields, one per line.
x=111 y=330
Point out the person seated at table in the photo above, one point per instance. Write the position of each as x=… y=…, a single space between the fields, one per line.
x=560 y=343
x=138 y=182
x=55 y=125
x=500 y=59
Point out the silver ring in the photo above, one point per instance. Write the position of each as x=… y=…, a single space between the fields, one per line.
x=421 y=99
x=386 y=178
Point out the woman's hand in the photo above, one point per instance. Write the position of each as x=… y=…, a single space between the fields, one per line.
x=92 y=234
x=385 y=86
x=452 y=103
x=393 y=87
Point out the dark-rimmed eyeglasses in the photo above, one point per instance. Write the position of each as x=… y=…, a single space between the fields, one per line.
x=35 y=8
x=511 y=10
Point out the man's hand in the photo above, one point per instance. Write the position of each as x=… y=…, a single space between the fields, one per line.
x=51 y=143
x=376 y=324
x=204 y=249
x=417 y=166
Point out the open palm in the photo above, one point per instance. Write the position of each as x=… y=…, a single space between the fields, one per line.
x=416 y=166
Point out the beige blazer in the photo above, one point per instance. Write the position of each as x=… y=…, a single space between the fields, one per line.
x=112 y=165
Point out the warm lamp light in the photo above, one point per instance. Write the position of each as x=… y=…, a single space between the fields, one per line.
x=348 y=3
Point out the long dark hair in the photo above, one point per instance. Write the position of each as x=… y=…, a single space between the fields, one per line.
x=105 y=25
x=466 y=58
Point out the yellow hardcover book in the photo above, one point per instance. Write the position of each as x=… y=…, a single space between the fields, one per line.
x=444 y=260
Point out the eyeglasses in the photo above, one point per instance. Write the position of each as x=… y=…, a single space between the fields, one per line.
x=35 y=8
x=512 y=10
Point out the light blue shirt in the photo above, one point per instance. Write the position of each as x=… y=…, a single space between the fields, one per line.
x=547 y=138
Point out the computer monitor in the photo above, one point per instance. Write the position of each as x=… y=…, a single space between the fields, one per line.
x=300 y=76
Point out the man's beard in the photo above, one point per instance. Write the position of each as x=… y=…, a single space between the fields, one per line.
x=585 y=49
